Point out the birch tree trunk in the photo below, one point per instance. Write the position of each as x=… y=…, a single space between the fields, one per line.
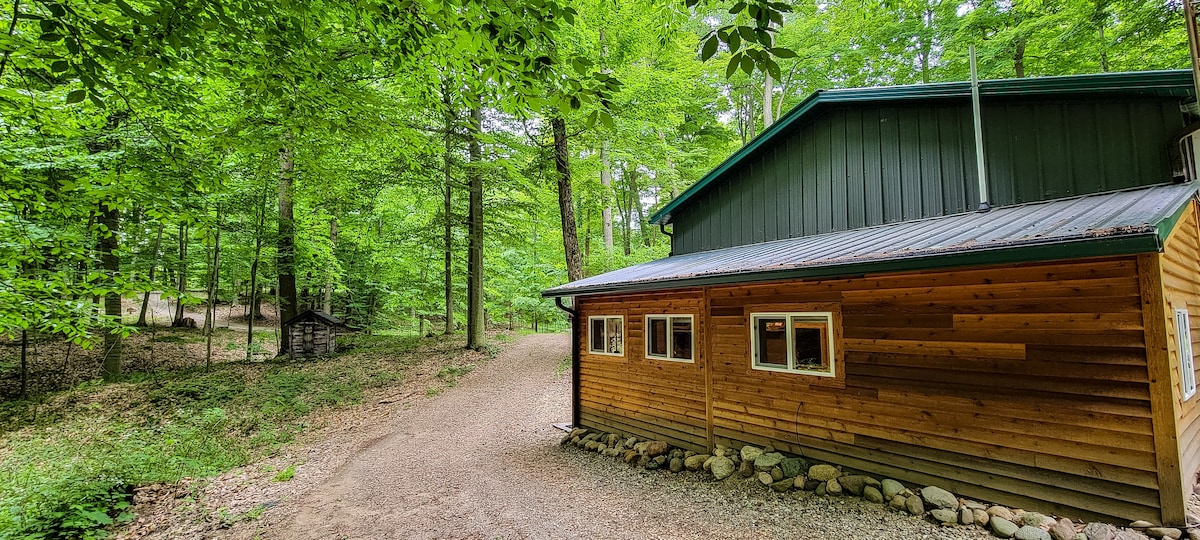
x=606 y=193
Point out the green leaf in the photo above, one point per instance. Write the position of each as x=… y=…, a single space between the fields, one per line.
x=772 y=68
x=782 y=52
x=747 y=65
x=710 y=48
x=733 y=65
x=76 y=96
x=737 y=8
x=735 y=42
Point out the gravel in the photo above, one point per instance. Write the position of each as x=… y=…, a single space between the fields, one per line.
x=482 y=461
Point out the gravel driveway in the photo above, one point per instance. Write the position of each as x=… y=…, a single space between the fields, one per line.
x=482 y=461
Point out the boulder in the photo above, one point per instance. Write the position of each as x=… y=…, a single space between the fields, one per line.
x=897 y=502
x=776 y=474
x=833 y=488
x=1001 y=512
x=800 y=482
x=820 y=490
x=708 y=463
x=890 y=488
x=768 y=449
x=676 y=454
x=631 y=456
x=631 y=442
x=1062 y=529
x=1034 y=519
x=750 y=453
x=965 y=516
x=793 y=466
x=914 y=505
x=765 y=478
x=566 y=439
x=721 y=467
x=1125 y=534
x=650 y=464
x=1164 y=532
x=656 y=448
x=1141 y=524
x=1003 y=528
x=783 y=485
x=661 y=460
x=766 y=462
x=1028 y=532
x=810 y=484
x=980 y=517
x=676 y=465
x=854 y=484
x=823 y=472
x=872 y=494
x=746 y=469
x=939 y=498
x=943 y=516
x=973 y=505
x=1099 y=531
x=695 y=463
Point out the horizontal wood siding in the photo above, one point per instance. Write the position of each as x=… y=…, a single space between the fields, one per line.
x=1180 y=264
x=633 y=395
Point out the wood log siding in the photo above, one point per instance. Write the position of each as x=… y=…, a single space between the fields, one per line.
x=1181 y=290
x=1023 y=385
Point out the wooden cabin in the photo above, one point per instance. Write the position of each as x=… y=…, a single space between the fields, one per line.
x=312 y=333
x=834 y=291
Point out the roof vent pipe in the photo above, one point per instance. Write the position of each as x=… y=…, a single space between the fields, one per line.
x=980 y=161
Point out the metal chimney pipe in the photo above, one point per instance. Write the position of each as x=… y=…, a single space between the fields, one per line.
x=980 y=161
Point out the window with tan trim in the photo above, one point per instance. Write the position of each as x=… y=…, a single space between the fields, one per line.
x=793 y=342
x=606 y=335
x=670 y=337
x=1187 y=363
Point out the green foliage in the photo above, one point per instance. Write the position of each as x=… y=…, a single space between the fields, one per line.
x=285 y=474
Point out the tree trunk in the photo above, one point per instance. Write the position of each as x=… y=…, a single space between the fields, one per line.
x=110 y=219
x=566 y=205
x=327 y=302
x=635 y=202
x=213 y=288
x=1103 y=49
x=606 y=195
x=25 y=362
x=255 y=306
x=447 y=216
x=768 y=95
x=475 y=315
x=150 y=277
x=286 y=244
x=181 y=275
x=1019 y=58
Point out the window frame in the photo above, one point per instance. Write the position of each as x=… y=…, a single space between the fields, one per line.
x=830 y=342
x=624 y=335
x=1187 y=361
x=670 y=332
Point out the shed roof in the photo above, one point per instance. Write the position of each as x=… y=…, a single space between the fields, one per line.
x=1113 y=223
x=1172 y=83
x=314 y=315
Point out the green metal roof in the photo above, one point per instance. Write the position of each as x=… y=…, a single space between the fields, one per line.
x=1175 y=83
x=1098 y=225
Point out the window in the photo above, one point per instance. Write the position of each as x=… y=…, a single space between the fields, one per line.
x=793 y=342
x=1187 y=364
x=669 y=337
x=606 y=335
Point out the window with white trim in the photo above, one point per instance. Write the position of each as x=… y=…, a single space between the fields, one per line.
x=1187 y=363
x=606 y=335
x=670 y=337
x=793 y=342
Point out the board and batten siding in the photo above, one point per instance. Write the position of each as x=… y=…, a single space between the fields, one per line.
x=1024 y=385
x=1180 y=282
x=869 y=165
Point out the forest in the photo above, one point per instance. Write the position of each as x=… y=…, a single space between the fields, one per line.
x=426 y=165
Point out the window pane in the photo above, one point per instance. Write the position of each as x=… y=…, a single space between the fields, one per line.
x=658 y=336
x=616 y=335
x=808 y=338
x=681 y=338
x=772 y=341
x=597 y=335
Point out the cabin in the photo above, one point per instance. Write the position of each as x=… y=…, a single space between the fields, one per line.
x=312 y=333
x=849 y=287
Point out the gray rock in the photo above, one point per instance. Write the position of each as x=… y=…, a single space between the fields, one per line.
x=631 y=442
x=749 y=453
x=1080 y=536
x=1001 y=512
x=631 y=456
x=914 y=505
x=708 y=463
x=1141 y=524
x=897 y=502
x=944 y=516
x=695 y=463
x=661 y=460
x=1062 y=529
x=823 y=472
x=793 y=466
x=566 y=439
x=676 y=465
x=810 y=484
x=676 y=454
x=768 y=449
x=651 y=464
x=721 y=467
x=939 y=498
x=872 y=494
x=966 y=516
x=746 y=469
x=821 y=488
x=765 y=478
x=689 y=454
x=1099 y=531
x=800 y=482
x=776 y=473
x=1003 y=528
x=891 y=488
x=973 y=505
x=783 y=485
x=1034 y=519
x=833 y=488
x=1164 y=532
x=1125 y=534
x=980 y=517
x=656 y=448
x=766 y=462
x=854 y=484
x=1031 y=533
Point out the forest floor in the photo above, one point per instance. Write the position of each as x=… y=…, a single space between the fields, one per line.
x=482 y=460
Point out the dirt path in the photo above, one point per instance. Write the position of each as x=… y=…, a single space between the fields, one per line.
x=482 y=461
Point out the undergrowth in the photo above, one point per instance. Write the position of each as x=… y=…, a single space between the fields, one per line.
x=69 y=461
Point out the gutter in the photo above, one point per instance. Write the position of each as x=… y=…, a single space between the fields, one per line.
x=573 y=314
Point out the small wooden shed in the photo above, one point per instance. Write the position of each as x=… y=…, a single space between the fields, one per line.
x=312 y=333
